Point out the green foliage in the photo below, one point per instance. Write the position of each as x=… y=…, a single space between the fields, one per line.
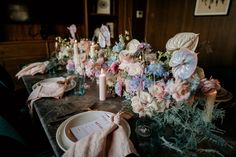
x=164 y=57
x=182 y=128
x=188 y=129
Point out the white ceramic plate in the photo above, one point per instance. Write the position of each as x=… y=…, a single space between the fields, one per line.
x=59 y=138
x=64 y=142
x=55 y=79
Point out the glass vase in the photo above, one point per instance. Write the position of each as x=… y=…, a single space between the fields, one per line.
x=80 y=81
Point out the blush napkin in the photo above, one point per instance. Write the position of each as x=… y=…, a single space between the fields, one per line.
x=32 y=69
x=54 y=89
x=109 y=142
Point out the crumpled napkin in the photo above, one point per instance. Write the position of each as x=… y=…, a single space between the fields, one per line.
x=109 y=142
x=54 y=89
x=32 y=69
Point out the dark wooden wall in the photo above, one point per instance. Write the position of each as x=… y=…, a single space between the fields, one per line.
x=29 y=32
x=164 y=19
x=217 y=44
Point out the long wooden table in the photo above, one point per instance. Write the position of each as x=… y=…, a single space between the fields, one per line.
x=52 y=112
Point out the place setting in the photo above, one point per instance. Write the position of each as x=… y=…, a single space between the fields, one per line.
x=69 y=83
x=51 y=88
x=81 y=130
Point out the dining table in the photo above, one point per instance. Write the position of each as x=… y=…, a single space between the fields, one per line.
x=53 y=112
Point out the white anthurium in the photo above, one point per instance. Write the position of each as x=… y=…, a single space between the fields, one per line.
x=104 y=37
x=183 y=63
x=72 y=30
x=183 y=40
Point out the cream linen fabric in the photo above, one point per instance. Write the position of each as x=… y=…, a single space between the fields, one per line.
x=32 y=69
x=109 y=142
x=47 y=89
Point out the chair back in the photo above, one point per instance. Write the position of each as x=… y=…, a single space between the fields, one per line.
x=11 y=142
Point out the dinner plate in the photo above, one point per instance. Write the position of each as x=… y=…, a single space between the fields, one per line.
x=55 y=79
x=59 y=137
x=64 y=142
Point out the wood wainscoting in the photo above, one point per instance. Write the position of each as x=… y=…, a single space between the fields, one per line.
x=15 y=54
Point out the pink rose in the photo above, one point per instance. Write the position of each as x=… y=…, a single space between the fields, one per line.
x=208 y=86
x=158 y=90
x=114 y=68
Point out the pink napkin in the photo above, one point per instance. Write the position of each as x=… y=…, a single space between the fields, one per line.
x=109 y=142
x=54 y=89
x=32 y=69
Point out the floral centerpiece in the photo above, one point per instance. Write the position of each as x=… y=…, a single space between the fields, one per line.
x=168 y=87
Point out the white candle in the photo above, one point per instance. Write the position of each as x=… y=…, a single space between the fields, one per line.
x=102 y=86
x=56 y=46
x=76 y=55
x=92 y=51
x=210 y=104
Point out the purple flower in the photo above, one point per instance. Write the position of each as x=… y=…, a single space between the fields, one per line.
x=144 y=46
x=135 y=84
x=119 y=88
x=70 y=65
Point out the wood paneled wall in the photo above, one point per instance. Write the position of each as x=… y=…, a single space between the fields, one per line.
x=15 y=54
x=29 y=32
x=125 y=16
x=164 y=19
x=217 y=45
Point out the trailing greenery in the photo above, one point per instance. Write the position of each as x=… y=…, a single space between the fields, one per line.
x=183 y=129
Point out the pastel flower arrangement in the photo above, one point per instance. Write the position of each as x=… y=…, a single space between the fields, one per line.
x=158 y=85
x=155 y=82
x=152 y=81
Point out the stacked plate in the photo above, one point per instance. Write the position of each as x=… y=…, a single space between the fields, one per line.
x=64 y=136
